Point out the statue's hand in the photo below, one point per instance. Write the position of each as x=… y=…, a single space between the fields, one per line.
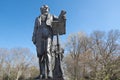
x=62 y=15
x=63 y=12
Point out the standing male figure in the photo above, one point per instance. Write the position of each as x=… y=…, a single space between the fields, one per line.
x=43 y=38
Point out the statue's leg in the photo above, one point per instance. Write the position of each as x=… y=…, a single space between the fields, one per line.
x=40 y=48
x=49 y=44
x=49 y=66
x=49 y=57
x=42 y=66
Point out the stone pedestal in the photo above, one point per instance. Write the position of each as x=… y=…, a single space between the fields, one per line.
x=52 y=79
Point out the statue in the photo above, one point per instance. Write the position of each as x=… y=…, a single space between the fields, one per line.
x=46 y=27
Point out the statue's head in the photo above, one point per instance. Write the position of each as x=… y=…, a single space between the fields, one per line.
x=44 y=9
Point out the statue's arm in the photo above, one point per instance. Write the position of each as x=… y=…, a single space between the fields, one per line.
x=55 y=18
x=35 y=30
x=61 y=17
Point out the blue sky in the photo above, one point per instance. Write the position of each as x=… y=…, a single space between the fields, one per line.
x=17 y=18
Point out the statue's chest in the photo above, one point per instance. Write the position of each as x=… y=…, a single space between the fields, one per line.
x=43 y=18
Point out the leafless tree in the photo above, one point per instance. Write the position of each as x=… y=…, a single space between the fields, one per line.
x=78 y=47
x=16 y=63
x=105 y=48
x=94 y=57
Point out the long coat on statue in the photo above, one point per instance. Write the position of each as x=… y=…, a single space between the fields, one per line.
x=43 y=34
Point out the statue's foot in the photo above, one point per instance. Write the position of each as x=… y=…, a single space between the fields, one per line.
x=49 y=77
x=43 y=76
x=38 y=77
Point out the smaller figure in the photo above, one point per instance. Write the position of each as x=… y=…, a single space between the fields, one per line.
x=58 y=56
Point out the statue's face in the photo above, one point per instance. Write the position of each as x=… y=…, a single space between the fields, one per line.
x=44 y=9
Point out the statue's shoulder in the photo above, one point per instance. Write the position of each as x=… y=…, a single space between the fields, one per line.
x=50 y=15
x=37 y=18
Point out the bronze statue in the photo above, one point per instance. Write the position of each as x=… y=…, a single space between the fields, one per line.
x=44 y=30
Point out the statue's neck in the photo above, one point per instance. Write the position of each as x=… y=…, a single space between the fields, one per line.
x=45 y=14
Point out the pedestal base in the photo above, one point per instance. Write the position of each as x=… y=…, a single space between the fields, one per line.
x=52 y=79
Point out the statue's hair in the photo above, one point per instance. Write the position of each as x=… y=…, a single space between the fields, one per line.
x=44 y=6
